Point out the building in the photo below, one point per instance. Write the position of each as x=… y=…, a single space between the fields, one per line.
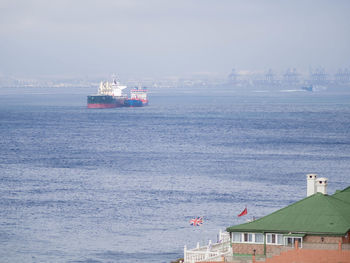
x=319 y=221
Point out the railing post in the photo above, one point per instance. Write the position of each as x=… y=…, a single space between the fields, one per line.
x=208 y=249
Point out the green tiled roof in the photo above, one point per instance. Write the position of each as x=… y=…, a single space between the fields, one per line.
x=316 y=214
x=343 y=195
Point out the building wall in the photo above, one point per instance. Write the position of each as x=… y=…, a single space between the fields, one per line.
x=242 y=248
x=318 y=239
x=239 y=248
x=346 y=239
x=316 y=242
x=304 y=256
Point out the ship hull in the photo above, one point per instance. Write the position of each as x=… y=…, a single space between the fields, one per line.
x=135 y=103
x=100 y=106
x=104 y=102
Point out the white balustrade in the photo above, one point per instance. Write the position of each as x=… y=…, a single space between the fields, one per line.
x=212 y=252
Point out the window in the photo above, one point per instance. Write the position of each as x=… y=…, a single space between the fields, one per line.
x=280 y=239
x=290 y=241
x=245 y=235
x=276 y=239
x=247 y=238
x=259 y=238
x=268 y=239
x=237 y=237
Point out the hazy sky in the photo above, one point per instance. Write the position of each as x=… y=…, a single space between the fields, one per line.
x=167 y=38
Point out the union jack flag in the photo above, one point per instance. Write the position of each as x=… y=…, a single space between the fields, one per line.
x=196 y=221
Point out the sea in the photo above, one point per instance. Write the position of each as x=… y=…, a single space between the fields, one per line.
x=121 y=185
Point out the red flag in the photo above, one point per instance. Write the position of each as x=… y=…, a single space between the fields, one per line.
x=244 y=212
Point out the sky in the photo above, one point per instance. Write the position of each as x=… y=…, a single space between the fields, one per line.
x=157 y=38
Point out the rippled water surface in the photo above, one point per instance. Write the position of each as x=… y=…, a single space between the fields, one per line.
x=120 y=185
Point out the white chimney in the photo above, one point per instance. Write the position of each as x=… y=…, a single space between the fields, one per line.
x=311 y=184
x=321 y=185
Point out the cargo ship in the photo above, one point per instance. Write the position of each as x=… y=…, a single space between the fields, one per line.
x=138 y=98
x=109 y=95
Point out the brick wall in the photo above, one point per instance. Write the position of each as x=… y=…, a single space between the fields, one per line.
x=318 y=239
x=239 y=248
x=273 y=249
x=346 y=239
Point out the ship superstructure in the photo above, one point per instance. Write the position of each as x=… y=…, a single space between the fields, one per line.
x=111 y=88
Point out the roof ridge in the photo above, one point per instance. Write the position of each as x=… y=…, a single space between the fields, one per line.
x=343 y=195
x=347 y=189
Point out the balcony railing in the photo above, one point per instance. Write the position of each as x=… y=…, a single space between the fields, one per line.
x=210 y=252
